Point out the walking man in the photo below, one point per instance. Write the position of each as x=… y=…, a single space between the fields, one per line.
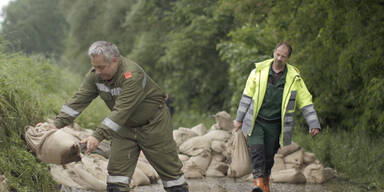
x=266 y=111
x=139 y=119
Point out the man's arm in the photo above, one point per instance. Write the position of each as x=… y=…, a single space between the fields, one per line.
x=304 y=99
x=75 y=105
x=245 y=101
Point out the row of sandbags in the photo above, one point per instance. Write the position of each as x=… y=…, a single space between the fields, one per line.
x=218 y=152
x=61 y=150
x=294 y=165
x=221 y=152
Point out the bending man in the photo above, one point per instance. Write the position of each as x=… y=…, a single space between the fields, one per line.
x=139 y=119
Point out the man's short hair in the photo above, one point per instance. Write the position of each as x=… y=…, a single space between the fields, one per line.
x=107 y=49
x=286 y=45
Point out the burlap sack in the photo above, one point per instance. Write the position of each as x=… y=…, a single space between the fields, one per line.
x=288 y=176
x=309 y=158
x=183 y=134
x=63 y=176
x=296 y=157
x=36 y=136
x=216 y=169
x=192 y=171
x=224 y=121
x=200 y=129
x=139 y=178
x=215 y=127
x=87 y=179
x=202 y=160
x=183 y=157
x=288 y=149
x=218 y=146
x=53 y=145
x=148 y=170
x=279 y=163
x=3 y=184
x=314 y=173
x=195 y=146
x=218 y=135
x=240 y=163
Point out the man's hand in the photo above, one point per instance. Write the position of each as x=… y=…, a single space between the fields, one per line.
x=314 y=131
x=237 y=125
x=91 y=143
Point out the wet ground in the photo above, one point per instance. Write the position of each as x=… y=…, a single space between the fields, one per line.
x=231 y=185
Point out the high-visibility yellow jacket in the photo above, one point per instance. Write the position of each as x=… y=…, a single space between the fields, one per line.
x=295 y=94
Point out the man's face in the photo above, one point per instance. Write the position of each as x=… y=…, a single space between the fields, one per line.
x=281 y=55
x=104 y=69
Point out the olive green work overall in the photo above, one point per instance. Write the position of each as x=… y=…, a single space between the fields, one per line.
x=139 y=121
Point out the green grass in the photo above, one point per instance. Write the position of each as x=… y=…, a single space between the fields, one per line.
x=354 y=155
x=31 y=90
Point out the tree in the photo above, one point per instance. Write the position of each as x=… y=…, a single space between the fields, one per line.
x=34 y=26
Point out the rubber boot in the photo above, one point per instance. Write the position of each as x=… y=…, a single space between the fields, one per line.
x=259 y=185
x=179 y=188
x=266 y=182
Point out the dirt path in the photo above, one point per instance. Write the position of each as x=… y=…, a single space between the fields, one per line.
x=231 y=185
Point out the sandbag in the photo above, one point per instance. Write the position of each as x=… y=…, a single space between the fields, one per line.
x=240 y=163
x=53 y=145
x=218 y=146
x=314 y=173
x=62 y=176
x=183 y=134
x=202 y=160
x=288 y=176
x=224 y=121
x=218 y=135
x=139 y=178
x=218 y=157
x=192 y=171
x=279 y=163
x=215 y=127
x=3 y=184
x=195 y=146
x=288 y=149
x=217 y=169
x=200 y=129
x=87 y=179
x=309 y=158
x=183 y=157
x=296 y=157
x=149 y=171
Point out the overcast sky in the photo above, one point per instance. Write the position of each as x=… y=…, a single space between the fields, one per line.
x=2 y=4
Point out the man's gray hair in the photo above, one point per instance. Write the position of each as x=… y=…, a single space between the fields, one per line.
x=107 y=49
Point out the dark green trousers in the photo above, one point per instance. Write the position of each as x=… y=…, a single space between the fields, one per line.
x=155 y=140
x=263 y=145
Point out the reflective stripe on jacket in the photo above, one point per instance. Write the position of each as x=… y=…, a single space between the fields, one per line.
x=295 y=94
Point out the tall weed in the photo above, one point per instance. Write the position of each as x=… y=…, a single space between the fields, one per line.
x=354 y=155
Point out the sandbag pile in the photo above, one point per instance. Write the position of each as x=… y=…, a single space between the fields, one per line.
x=206 y=153
x=294 y=165
x=74 y=171
x=222 y=152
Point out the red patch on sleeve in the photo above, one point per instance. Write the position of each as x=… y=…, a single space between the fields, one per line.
x=127 y=75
